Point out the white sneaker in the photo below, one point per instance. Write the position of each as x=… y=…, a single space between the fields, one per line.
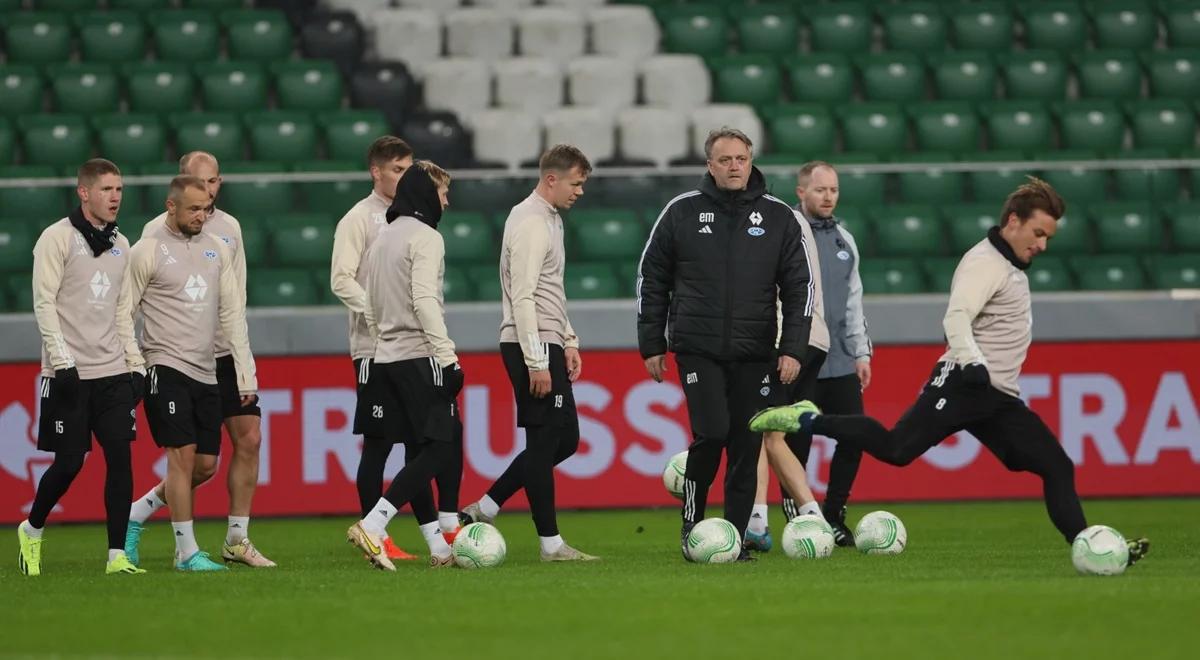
x=441 y=562
x=371 y=545
x=245 y=553
x=567 y=553
x=474 y=514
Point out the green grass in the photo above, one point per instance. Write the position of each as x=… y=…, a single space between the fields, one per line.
x=987 y=580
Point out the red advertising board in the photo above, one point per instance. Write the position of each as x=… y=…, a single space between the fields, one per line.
x=1125 y=411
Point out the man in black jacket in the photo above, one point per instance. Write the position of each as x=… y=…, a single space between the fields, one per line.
x=717 y=260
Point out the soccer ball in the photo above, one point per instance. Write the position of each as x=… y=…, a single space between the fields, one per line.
x=673 y=474
x=880 y=533
x=808 y=537
x=479 y=545
x=1100 y=550
x=714 y=541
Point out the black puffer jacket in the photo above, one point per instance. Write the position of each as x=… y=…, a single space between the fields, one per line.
x=714 y=264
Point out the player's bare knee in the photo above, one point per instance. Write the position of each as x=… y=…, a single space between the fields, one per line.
x=249 y=441
x=204 y=468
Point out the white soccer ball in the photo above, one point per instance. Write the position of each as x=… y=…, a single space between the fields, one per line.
x=880 y=533
x=1100 y=550
x=714 y=541
x=479 y=545
x=673 y=474
x=808 y=537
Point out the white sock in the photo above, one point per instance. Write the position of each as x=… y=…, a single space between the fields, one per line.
x=239 y=529
x=185 y=539
x=758 y=519
x=448 y=521
x=433 y=536
x=381 y=514
x=31 y=531
x=145 y=506
x=812 y=509
x=113 y=554
x=489 y=507
x=551 y=543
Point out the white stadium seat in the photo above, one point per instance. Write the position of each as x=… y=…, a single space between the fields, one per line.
x=575 y=4
x=733 y=115
x=624 y=31
x=479 y=32
x=440 y=6
x=533 y=84
x=593 y=130
x=654 y=134
x=675 y=81
x=459 y=84
x=602 y=80
x=551 y=32
x=511 y=137
x=505 y=5
x=413 y=36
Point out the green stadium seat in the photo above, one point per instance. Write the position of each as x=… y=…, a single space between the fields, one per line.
x=985 y=26
x=1095 y=125
x=255 y=244
x=16 y=246
x=111 y=36
x=993 y=184
x=699 y=29
x=1109 y=75
x=1074 y=235
x=493 y=195
x=8 y=142
x=468 y=237
x=823 y=77
x=1108 y=273
x=37 y=37
x=627 y=274
x=1049 y=273
x=281 y=287
x=606 y=235
x=1182 y=20
x=301 y=239
x=128 y=139
x=185 y=35
x=1125 y=24
x=945 y=126
x=140 y=5
x=1147 y=184
x=20 y=291
x=933 y=184
x=233 y=86
x=1056 y=25
x=307 y=85
x=1040 y=75
x=217 y=5
x=1167 y=124
x=1127 y=227
x=1174 y=73
x=21 y=90
x=883 y=276
x=485 y=281
x=1017 y=125
x=878 y=128
x=767 y=28
x=84 y=88
x=1076 y=185
x=857 y=187
x=258 y=34
x=65 y=5
x=968 y=224
x=939 y=272
x=892 y=76
x=257 y=198
x=750 y=79
x=283 y=136
x=220 y=134
x=584 y=281
x=349 y=133
x=918 y=27
x=161 y=87
x=456 y=286
x=967 y=76
x=333 y=198
x=907 y=230
x=844 y=27
x=36 y=203
x=1184 y=220
x=1174 y=271
x=801 y=129
x=63 y=140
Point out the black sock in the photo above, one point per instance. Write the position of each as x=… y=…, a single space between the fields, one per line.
x=54 y=485
x=369 y=479
x=118 y=490
x=449 y=478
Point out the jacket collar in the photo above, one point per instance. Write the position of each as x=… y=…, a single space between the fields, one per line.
x=756 y=187
x=1004 y=248
x=817 y=223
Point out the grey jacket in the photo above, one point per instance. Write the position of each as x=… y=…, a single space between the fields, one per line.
x=842 y=288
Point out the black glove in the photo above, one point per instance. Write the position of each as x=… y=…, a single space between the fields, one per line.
x=452 y=381
x=138 y=381
x=66 y=383
x=975 y=376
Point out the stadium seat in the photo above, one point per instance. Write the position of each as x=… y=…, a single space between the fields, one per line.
x=712 y=117
x=263 y=35
x=1095 y=125
x=627 y=275
x=856 y=186
x=1129 y=24
x=945 y=126
x=628 y=32
x=307 y=85
x=1049 y=273
x=1182 y=20
x=880 y=276
x=983 y=26
x=768 y=28
x=1109 y=75
x=438 y=136
x=892 y=76
x=656 y=135
x=61 y=139
x=349 y=133
x=412 y=36
x=8 y=142
x=459 y=85
x=1163 y=124
x=213 y=5
x=334 y=198
x=918 y=27
x=254 y=244
x=1074 y=234
x=593 y=130
x=302 y=239
x=1127 y=227
x=183 y=35
x=933 y=184
x=234 y=86
x=1017 y=125
x=1174 y=271
x=334 y=36
x=992 y=185
x=907 y=230
x=967 y=224
x=843 y=27
x=556 y=33
x=1108 y=273
x=584 y=281
x=112 y=36
x=965 y=76
x=282 y=136
x=456 y=286
x=37 y=37
x=220 y=134
x=468 y=236
x=363 y=9
x=36 y=203
x=1040 y=75
x=256 y=198
x=140 y=5
x=281 y=287
x=21 y=90
x=602 y=81
x=700 y=29
x=1184 y=221
x=1078 y=184
x=485 y=280
x=826 y=77
x=479 y=32
x=128 y=139
x=492 y=196
x=386 y=86
x=802 y=129
x=1149 y=183
x=16 y=246
x=675 y=81
x=65 y=5
x=509 y=138
x=159 y=87
x=531 y=84
x=20 y=290
x=606 y=234
x=939 y=272
x=84 y=88
x=1055 y=25
x=1174 y=74
x=878 y=128
x=752 y=79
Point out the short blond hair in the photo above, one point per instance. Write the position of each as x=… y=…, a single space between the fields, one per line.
x=564 y=158
x=441 y=178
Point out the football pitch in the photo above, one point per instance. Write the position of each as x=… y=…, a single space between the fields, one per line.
x=978 y=580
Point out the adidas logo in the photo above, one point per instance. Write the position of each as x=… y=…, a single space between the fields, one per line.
x=766 y=380
x=178 y=533
x=382 y=512
x=705 y=230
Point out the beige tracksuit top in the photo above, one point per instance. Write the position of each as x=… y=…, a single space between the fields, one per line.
x=818 y=336
x=355 y=233
x=533 y=299
x=82 y=306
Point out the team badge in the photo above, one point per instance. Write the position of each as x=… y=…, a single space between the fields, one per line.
x=843 y=255
x=116 y=252
x=756 y=231
x=211 y=255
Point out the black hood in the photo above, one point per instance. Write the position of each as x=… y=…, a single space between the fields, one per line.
x=99 y=240
x=756 y=187
x=1004 y=248
x=416 y=197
